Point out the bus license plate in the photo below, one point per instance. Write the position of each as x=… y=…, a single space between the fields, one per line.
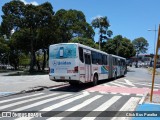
x=62 y=77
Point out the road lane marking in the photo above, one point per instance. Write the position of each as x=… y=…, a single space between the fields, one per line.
x=124 y=93
x=139 y=94
x=41 y=102
x=146 y=85
x=59 y=104
x=75 y=108
x=106 y=85
x=25 y=101
x=128 y=82
x=65 y=102
x=3 y=101
x=102 y=108
x=122 y=83
x=117 y=84
x=129 y=106
x=83 y=104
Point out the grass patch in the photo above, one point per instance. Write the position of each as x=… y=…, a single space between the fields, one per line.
x=150 y=70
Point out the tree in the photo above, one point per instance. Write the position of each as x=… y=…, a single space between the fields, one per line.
x=102 y=23
x=12 y=18
x=27 y=18
x=4 y=50
x=72 y=23
x=119 y=46
x=84 y=41
x=141 y=46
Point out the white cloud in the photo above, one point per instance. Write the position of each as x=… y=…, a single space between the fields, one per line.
x=33 y=2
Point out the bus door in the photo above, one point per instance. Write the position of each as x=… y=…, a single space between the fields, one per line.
x=119 y=68
x=110 y=63
x=88 y=72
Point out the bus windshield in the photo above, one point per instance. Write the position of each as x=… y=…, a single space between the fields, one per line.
x=62 y=51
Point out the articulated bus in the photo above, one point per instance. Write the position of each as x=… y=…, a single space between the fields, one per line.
x=77 y=63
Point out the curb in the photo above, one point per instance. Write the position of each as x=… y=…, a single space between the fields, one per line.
x=143 y=98
x=34 y=89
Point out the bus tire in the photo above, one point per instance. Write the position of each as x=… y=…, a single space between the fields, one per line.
x=95 y=80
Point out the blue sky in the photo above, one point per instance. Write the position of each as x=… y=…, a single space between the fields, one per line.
x=129 y=18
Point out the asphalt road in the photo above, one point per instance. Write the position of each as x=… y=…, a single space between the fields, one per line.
x=141 y=75
x=122 y=94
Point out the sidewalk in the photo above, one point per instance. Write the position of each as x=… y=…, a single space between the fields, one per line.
x=148 y=110
x=15 y=84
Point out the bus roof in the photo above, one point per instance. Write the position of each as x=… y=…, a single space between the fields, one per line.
x=87 y=47
x=118 y=56
x=81 y=45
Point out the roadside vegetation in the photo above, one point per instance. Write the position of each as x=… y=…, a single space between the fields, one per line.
x=27 y=31
x=150 y=70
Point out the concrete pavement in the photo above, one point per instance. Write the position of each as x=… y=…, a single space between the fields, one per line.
x=14 y=84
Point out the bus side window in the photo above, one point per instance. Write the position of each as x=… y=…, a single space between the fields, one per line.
x=106 y=59
x=81 y=54
x=103 y=60
x=116 y=61
x=94 y=61
x=100 y=59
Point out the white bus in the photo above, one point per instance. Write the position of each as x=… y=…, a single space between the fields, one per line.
x=77 y=63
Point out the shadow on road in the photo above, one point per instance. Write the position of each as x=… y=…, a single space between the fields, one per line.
x=70 y=88
x=79 y=87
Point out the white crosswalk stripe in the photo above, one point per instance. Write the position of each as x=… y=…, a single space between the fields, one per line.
x=25 y=101
x=40 y=103
x=117 y=84
x=68 y=104
x=130 y=105
x=103 y=107
x=65 y=102
x=123 y=83
x=77 y=107
x=8 y=100
x=128 y=82
x=60 y=104
x=106 y=85
x=145 y=84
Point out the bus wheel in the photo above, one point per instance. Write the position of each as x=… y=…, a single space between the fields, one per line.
x=95 y=80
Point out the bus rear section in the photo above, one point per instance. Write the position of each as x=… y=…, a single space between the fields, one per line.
x=117 y=66
x=63 y=62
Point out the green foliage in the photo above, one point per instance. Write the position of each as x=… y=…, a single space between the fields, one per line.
x=13 y=14
x=26 y=20
x=24 y=60
x=84 y=41
x=102 y=23
x=72 y=23
x=140 y=45
x=119 y=46
x=3 y=46
x=4 y=49
x=21 y=40
x=36 y=27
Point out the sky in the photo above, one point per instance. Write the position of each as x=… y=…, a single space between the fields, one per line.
x=129 y=18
